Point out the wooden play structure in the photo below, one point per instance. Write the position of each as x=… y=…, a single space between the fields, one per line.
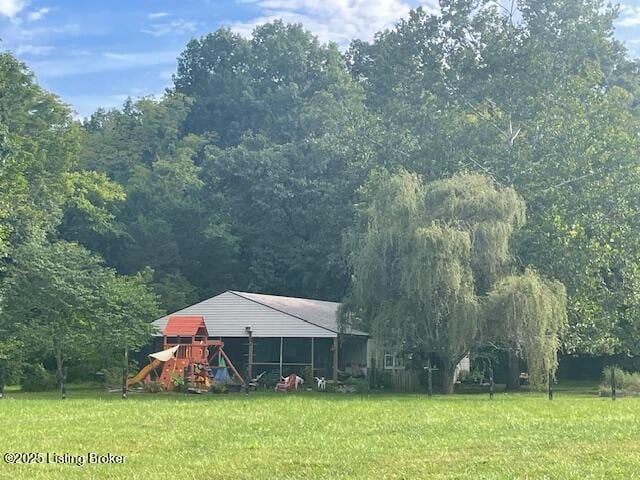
x=186 y=344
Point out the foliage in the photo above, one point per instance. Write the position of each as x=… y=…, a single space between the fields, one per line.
x=528 y=314
x=121 y=315
x=269 y=83
x=491 y=216
x=247 y=174
x=11 y=351
x=112 y=377
x=359 y=385
x=474 y=376
x=177 y=380
x=538 y=95
x=62 y=301
x=169 y=221
x=627 y=382
x=38 y=147
x=53 y=289
x=307 y=374
x=35 y=378
x=247 y=125
x=379 y=379
x=421 y=255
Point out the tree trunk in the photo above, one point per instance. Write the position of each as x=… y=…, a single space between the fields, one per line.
x=447 y=376
x=513 y=374
x=59 y=366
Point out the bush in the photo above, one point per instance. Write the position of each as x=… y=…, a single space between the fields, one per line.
x=307 y=374
x=178 y=382
x=35 y=378
x=471 y=377
x=380 y=379
x=359 y=384
x=626 y=382
x=112 y=377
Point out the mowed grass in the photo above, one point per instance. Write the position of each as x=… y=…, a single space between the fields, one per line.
x=311 y=435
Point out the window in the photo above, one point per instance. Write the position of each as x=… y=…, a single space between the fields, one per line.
x=393 y=361
x=388 y=361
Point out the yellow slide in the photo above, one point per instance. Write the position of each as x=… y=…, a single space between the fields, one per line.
x=143 y=372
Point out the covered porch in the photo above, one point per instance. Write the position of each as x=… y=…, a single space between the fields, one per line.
x=304 y=356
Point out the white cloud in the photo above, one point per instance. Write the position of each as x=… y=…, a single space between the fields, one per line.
x=33 y=49
x=109 y=61
x=157 y=15
x=338 y=21
x=37 y=14
x=176 y=27
x=10 y=8
x=45 y=31
x=629 y=16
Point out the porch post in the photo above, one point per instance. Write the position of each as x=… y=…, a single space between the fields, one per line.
x=312 y=355
x=250 y=359
x=335 y=357
x=281 y=356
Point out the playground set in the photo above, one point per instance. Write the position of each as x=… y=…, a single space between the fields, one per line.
x=186 y=345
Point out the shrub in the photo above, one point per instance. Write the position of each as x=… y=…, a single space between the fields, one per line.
x=626 y=382
x=380 y=379
x=359 y=384
x=112 y=377
x=619 y=377
x=178 y=382
x=35 y=378
x=307 y=374
x=471 y=377
x=632 y=383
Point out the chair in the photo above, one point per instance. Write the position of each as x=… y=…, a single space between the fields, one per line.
x=287 y=384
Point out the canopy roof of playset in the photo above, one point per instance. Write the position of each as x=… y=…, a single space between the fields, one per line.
x=230 y=313
x=184 y=326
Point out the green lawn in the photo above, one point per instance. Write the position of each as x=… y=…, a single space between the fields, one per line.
x=326 y=436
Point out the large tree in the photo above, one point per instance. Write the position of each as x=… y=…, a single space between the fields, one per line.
x=248 y=182
x=539 y=95
x=423 y=256
x=171 y=220
x=527 y=314
x=52 y=287
x=61 y=301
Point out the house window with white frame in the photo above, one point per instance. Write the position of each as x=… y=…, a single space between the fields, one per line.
x=393 y=361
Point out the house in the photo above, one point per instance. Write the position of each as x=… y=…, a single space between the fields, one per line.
x=279 y=335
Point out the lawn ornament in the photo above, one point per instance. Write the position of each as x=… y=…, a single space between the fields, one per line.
x=254 y=382
x=321 y=383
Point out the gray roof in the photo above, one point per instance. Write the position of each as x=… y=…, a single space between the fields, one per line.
x=227 y=315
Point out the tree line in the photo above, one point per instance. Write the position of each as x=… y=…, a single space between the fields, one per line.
x=259 y=167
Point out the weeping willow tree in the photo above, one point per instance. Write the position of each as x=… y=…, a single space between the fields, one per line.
x=527 y=314
x=473 y=203
x=412 y=277
x=423 y=256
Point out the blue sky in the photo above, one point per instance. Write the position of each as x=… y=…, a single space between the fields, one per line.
x=97 y=53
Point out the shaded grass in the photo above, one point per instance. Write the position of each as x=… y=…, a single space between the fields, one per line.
x=326 y=436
